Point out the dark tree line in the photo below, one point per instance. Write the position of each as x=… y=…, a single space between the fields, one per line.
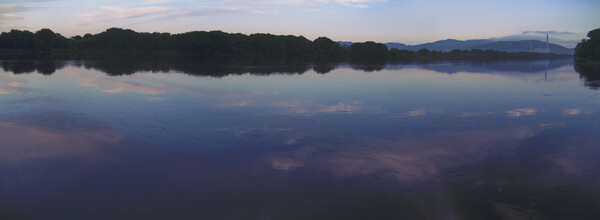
x=589 y=48
x=587 y=62
x=219 y=47
x=43 y=41
x=210 y=47
x=368 y=51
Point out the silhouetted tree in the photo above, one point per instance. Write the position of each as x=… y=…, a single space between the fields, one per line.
x=327 y=49
x=423 y=52
x=589 y=48
x=16 y=39
x=400 y=55
x=368 y=51
x=45 y=40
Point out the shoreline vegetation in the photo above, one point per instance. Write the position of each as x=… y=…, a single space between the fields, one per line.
x=589 y=49
x=587 y=59
x=217 y=47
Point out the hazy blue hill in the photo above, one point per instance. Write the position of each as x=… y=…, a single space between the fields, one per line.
x=540 y=37
x=399 y=46
x=345 y=43
x=507 y=46
x=442 y=45
x=451 y=44
x=523 y=46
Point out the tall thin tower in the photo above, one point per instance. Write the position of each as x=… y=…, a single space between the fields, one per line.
x=547 y=48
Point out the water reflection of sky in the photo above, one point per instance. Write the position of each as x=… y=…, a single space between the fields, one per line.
x=436 y=140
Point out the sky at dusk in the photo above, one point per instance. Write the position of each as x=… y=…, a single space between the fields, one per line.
x=405 y=21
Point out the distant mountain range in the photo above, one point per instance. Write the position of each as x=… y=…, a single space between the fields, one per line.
x=508 y=46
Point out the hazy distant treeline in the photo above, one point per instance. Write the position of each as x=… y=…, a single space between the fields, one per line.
x=220 y=47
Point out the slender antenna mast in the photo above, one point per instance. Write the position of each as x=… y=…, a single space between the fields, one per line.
x=547 y=48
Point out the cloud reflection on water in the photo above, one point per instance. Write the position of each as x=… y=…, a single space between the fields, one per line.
x=21 y=142
x=407 y=158
x=519 y=112
x=310 y=107
x=238 y=142
x=13 y=86
x=111 y=85
x=306 y=107
x=576 y=111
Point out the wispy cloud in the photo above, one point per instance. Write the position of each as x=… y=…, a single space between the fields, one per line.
x=311 y=3
x=147 y=14
x=113 y=9
x=12 y=8
x=7 y=11
x=356 y=3
x=8 y=16
x=111 y=13
x=157 y=11
x=549 y=32
x=216 y=11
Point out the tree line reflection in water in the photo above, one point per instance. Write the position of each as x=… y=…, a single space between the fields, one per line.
x=589 y=71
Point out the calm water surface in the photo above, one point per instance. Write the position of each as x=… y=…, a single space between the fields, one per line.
x=94 y=140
